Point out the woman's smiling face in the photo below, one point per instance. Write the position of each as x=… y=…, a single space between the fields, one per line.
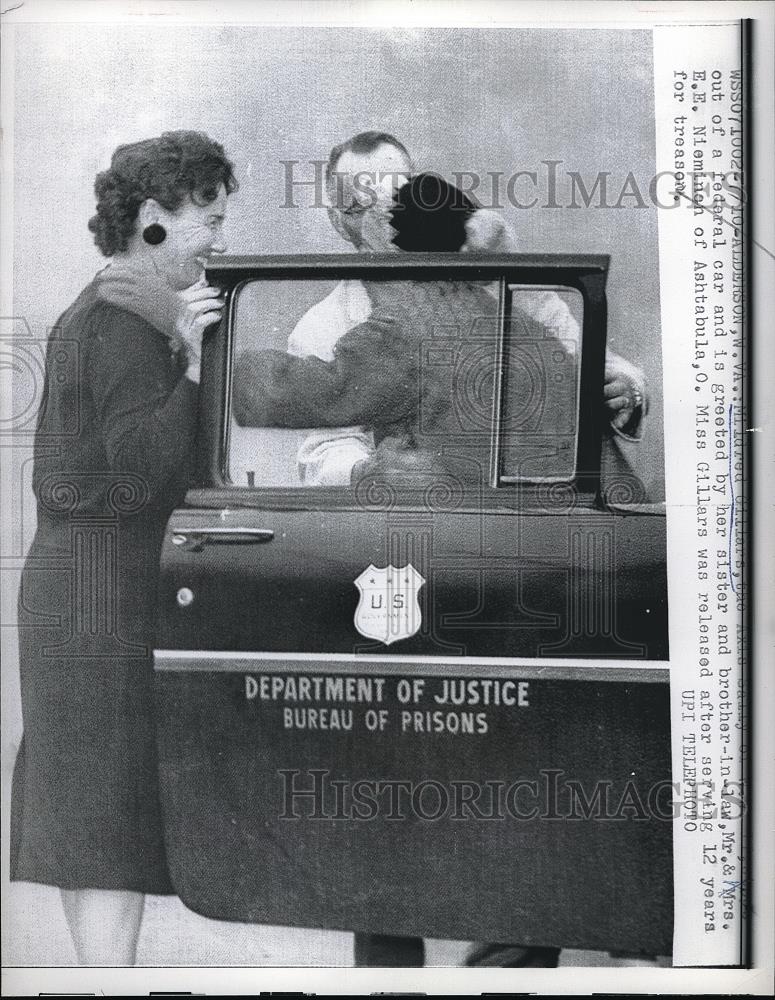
x=194 y=231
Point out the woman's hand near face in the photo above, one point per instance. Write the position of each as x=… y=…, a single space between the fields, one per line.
x=199 y=307
x=182 y=316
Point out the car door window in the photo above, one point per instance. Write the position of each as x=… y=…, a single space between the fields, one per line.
x=476 y=381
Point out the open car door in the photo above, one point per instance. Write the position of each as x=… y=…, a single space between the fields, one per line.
x=416 y=702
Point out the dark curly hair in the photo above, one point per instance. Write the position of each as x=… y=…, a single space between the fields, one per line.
x=170 y=168
x=430 y=215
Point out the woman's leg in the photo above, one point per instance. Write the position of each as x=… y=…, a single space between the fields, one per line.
x=104 y=924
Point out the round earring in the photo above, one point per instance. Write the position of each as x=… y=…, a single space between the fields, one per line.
x=154 y=234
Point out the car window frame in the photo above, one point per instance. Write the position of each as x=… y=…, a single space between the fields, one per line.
x=586 y=273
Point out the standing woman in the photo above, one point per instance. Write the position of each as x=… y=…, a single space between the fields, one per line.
x=113 y=458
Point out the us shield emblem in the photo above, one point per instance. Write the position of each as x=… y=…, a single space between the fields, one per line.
x=388 y=609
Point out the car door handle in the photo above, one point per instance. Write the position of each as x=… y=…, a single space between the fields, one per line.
x=195 y=539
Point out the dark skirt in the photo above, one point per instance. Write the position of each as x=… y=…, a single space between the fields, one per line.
x=85 y=807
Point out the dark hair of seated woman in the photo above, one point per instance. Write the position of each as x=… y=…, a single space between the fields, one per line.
x=429 y=215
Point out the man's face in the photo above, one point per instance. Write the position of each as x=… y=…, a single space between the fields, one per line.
x=361 y=190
